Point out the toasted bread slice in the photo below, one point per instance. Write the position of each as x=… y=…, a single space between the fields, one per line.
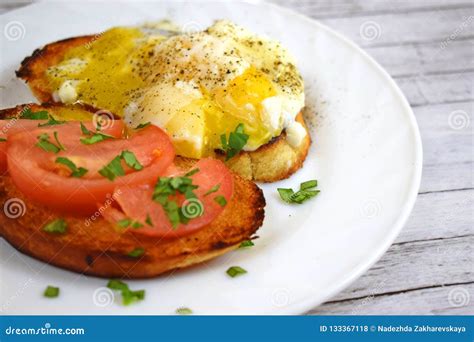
x=94 y=246
x=273 y=161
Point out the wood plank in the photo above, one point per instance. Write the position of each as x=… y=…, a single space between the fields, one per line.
x=406 y=28
x=344 y=8
x=436 y=89
x=443 y=300
x=415 y=265
x=448 y=158
x=425 y=58
x=440 y=215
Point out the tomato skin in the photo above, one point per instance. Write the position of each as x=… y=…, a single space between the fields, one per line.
x=137 y=204
x=32 y=169
x=15 y=126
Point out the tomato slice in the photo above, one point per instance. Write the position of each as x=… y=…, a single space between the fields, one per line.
x=35 y=172
x=214 y=180
x=14 y=126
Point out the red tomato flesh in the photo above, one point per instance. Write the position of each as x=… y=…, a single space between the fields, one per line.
x=214 y=180
x=35 y=172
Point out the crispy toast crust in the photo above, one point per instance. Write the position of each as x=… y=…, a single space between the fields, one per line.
x=273 y=161
x=96 y=247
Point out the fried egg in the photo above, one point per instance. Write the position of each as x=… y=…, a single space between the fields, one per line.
x=197 y=86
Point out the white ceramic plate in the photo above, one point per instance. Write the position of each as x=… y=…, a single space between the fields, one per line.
x=366 y=155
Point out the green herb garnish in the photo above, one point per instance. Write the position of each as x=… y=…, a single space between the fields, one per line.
x=235 y=271
x=51 y=292
x=246 y=244
x=137 y=252
x=143 y=125
x=136 y=225
x=28 y=114
x=220 y=200
x=126 y=222
x=93 y=137
x=148 y=220
x=85 y=130
x=184 y=311
x=215 y=188
x=307 y=190
x=51 y=122
x=58 y=226
x=130 y=159
x=128 y=296
x=97 y=137
x=235 y=143
x=115 y=169
x=3 y=139
x=170 y=186
x=76 y=172
x=48 y=146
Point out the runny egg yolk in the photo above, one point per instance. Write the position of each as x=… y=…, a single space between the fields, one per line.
x=196 y=87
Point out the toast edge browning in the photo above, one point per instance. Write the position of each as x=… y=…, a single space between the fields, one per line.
x=99 y=250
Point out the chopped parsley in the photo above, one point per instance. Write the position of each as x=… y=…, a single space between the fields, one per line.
x=3 y=139
x=184 y=311
x=51 y=122
x=58 y=226
x=130 y=159
x=51 y=292
x=128 y=296
x=235 y=271
x=307 y=190
x=28 y=114
x=137 y=252
x=48 y=146
x=215 y=188
x=235 y=143
x=97 y=137
x=220 y=200
x=91 y=137
x=114 y=168
x=143 y=125
x=125 y=223
x=75 y=171
x=85 y=130
x=246 y=244
x=171 y=186
x=148 y=220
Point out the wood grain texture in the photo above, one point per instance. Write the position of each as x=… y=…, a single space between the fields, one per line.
x=427 y=46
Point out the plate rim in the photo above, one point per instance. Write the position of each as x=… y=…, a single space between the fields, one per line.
x=304 y=305
x=307 y=303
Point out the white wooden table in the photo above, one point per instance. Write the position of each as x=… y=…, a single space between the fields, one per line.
x=427 y=46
